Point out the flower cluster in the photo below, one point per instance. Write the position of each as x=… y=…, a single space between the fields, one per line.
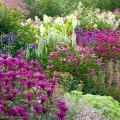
x=62 y=110
x=63 y=54
x=15 y=4
x=107 y=45
x=84 y=36
x=56 y=30
x=6 y=40
x=25 y=90
x=106 y=42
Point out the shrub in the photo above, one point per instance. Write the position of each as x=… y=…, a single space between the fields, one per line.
x=51 y=7
x=105 y=107
x=15 y=34
x=109 y=4
x=76 y=63
x=9 y=19
x=63 y=78
x=107 y=80
x=106 y=42
x=26 y=92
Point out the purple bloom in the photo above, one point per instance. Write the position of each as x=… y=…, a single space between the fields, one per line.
x=39 y=68
x=28 y=96
x=22 y=79
x=62 y=110
x=34 y=45
x=41 y=84
x=61 y=115
x=28 y=84
x=43 y=98
x=49 y=91
x=34 y=63
x=42 y=77
x=20 y=54
x=15 y=92
x=62 y=106
x=1 y=106
x=37 y=108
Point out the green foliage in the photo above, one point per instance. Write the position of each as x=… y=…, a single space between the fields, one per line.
x=9 y=19
x=109 y=107
x=102 y=24
x=101 y=84
x=64 y=7
x=76 y=66
x=102 y=4
x=51 y=7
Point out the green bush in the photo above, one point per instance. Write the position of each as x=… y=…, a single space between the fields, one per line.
x=66 y=59
x=24 y=35
x=102 y=4
x=109 y=107
x=9 y=19
x=64 y=7
x=51 y=7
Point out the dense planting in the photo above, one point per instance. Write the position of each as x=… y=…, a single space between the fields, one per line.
x=25 y=90
x=60 y=67
x=106 y=42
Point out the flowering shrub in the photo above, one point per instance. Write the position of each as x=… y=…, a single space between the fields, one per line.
x=8 y=18
x=81 y=66
x=64 y=77
x=26 y=92
x=106 y=42
x=12 y=4
x=10 y=26
x=94 y=18
x=6 y=42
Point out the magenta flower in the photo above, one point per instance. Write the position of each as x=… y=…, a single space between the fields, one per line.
x=34 y=63
x=37 y=107
x=41 y=84
x=22 y=81
x=20 y=54
x=62 y=47
x=39 y=68
x=62 y=106
x=106 y=44
x=49 y=91
x=42 y=77
x=43 y=98
x=1 y=106
x=15 y=92
x=28 y=96
x=62 y=110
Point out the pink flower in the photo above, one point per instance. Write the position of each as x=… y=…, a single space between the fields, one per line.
x=43 y=98
x=53 y=54
x=37 y=107
x=62 y=47
x=1 y=106
x=28 y=96
x=63 y=59
x=62 y=110
x=50 y=66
